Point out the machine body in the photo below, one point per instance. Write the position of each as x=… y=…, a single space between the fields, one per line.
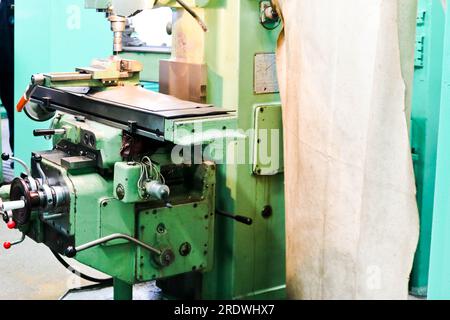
x=109 y=192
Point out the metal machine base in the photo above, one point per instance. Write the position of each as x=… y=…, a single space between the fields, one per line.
x=142 y=291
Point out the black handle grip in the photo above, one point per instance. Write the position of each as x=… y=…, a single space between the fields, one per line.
x=70 y=252
x=242 y=219
x=44 y=132
x=245 y=220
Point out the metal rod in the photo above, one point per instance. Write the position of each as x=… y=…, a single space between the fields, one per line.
x=52 y=216
x=23 y=164
x=41 y=173
x=242 y=219
x=114 y=237
x=22 y=239
x=48 y=132
x=12 y=205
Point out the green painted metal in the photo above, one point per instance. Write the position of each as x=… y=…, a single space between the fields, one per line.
x=52 y=36
x=96 y=212
x=126 y=176
x=424 y=128
x=95 y=209
x=439 y=274
x=200 y=131
x=268 y=154
x=191 y=224
x=109 y=139
x=249 y=261
x=122 y=290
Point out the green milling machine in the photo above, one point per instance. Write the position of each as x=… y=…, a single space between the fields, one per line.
x=175 y=187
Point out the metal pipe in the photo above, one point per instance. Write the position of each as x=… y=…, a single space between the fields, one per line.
x=73 y=252
x=23 y=164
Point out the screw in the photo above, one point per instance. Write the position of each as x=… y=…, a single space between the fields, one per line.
x=185 y=249
x=161 y=228
x=120 y=191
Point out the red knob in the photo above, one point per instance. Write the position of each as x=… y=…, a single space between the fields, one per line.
x=7 y=245
x=11 y=224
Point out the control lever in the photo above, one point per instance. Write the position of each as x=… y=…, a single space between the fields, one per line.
x=48 y=132
x=7 y=245
x=71 y=252
x=6 y=211
x=6 y=157
x=38 y=159
x=163 y=257
x=245 y=220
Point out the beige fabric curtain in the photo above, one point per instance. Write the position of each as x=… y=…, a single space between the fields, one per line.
x=345 y=79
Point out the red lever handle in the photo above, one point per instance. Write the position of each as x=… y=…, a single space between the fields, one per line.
x=11 y=224
x=22 y=103
x=7 y=245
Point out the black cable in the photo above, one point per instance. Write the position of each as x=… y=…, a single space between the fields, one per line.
x=193 y=14
x=81 y=275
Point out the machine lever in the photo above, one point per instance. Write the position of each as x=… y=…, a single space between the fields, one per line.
x=245 y=220
x=71 y=252
x=48 y=132
x=6 y=157
x=8 y=245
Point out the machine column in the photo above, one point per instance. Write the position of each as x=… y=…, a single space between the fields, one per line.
x=122 y=290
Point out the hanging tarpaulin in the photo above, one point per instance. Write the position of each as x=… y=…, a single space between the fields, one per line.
x=345 y=70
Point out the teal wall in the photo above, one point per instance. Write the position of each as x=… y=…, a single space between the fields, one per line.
x=431 y=141
x=425 y=125
x=439 y=278
x=53 y=36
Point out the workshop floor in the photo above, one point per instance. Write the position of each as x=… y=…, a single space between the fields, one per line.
x=30 y=271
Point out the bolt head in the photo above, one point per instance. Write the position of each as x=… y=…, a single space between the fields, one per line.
x=120 y=191
x=185 y=249
x=167 y=258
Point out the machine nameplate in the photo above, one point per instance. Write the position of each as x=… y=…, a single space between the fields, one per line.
x=265 y=74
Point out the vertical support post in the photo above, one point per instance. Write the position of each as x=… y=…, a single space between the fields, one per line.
x=235 y=36
x=439 y=274
x=424 y=129
x=122 y=290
